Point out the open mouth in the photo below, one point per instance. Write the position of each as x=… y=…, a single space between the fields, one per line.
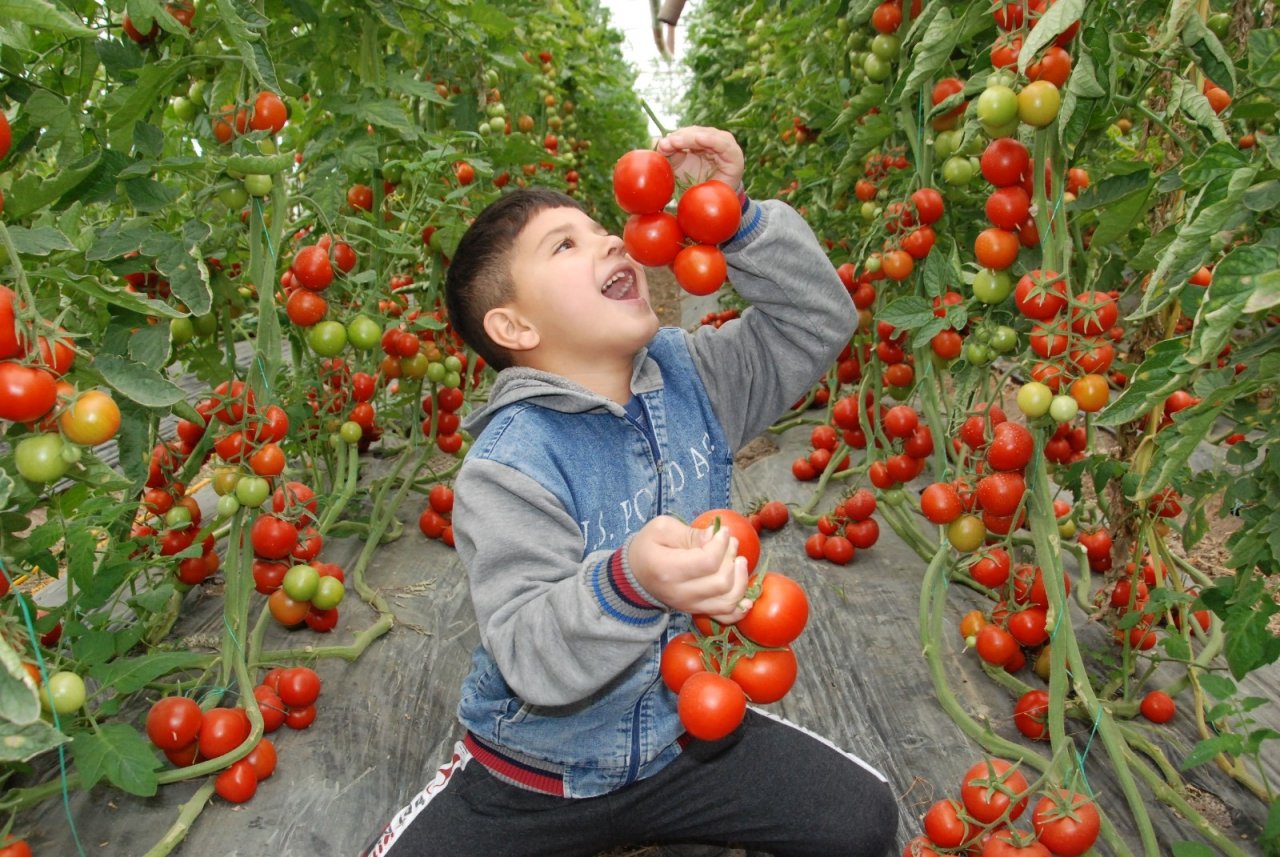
x=621 y=285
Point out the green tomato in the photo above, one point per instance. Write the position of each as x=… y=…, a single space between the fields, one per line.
x=877 y=68
x=234 y=197
x=415 y=366
x=886 y=46
x=498 y=125
x=957 y=171
x=1038 y=103
x=184 y=108
x=205 y=325
x=977 y=353
x=329 y=593
x=257 y=184
x=452 y=363
x=947 y=143
x=64 y=693
x=1219 y=24
x=997 y=105
x=177 y=518
x=181 y=330
x=300 y=582
x=252 y=491
x=1008 y=129
x=992 y=287
x=869 y=211
x=363 y=332
x=228 y=505
x=327 y=338
x=893 y=497
x=1003 y=339
x=195 y=92
x=1063 y=408
x=350 y=432
x=452 y=379
x=393 y=173
x=435 y=372
x=39 y=457
x=1034 y=399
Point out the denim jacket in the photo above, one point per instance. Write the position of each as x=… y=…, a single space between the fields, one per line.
x=565 y=694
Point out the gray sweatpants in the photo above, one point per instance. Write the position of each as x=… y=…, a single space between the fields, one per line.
x=769 y=786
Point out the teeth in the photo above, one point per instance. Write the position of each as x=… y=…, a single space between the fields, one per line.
x=609 y=282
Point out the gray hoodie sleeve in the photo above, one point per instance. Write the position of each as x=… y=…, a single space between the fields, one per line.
x=558 y=629
x=801 y=316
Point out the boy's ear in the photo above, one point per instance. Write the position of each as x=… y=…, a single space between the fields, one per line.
x=510 y=330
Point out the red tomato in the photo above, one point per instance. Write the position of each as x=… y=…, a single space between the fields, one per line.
x=300 y=718
x=1005 y=161
x=1158 y=707
x=766 y=676
x=643 y=181
x=780 y=612
x=995 y=645
x=26 y=393
x=222 y=730
x=928 y=203
x=299 y=687
x=174 y=722
x=312 y=268
x=700 y=269
x=990 y=787
x=996 y=248
x=1011 y=446
x=711 y=706
x=991 y=568
x=1029 y=715
x=709 y=212
x=739 y=528
x=237 y=783
x=1067 y=823
x=1001 y=493
x=1028 y=626
x=681 y=658
x=272 y=537
x=1007 y=207
x=263 y=759
x=945 y=826
x=940 y=503
x=271 y=707
x=1040 y=295
x=653 y=239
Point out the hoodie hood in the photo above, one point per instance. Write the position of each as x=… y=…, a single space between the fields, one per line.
x=556 y=392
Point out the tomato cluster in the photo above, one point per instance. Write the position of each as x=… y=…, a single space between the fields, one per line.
x=436 y=521
x=993 y=795
x=707 y=214
x=845 y=530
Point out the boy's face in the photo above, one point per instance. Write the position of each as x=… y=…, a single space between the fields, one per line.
x=575 y=283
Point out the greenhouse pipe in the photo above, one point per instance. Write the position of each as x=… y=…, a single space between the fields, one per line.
x=671 y=10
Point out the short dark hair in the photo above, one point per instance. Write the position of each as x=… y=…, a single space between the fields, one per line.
x=479 y=277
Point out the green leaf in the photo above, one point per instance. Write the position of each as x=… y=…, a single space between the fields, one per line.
x=60 y=124
x=1249 y=644
x=1172 y=455
x=23 y=743
x=1160 y=374
x=1114 y=187
x=908 y=313
x=1218 y=686
x=1210 y=55
x=32 y=191
x=125 y=105
x=39 y=241
x=127 y=675
x=91 y=286
x=1264 y=60
x=1197 y=108
x=1205 y=750
x=389 y=14
x=385 y=113
x=188 y=277
x=1256 y=738
x=1179 y=12
x=1236 y=279
x=1219 y=159
x=119 y=58
x=1264 y=196
x=242 y=21
x=150 y=345
x=1190 y=247
x=1061 y=15
x=19 y=703
x=118 y=752
x=139 y=383
x=150 y=195
x=43 y=15
x=931 y=54
x=493 y=21
x=1116 y=220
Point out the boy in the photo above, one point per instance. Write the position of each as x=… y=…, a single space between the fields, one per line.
x=602 y=434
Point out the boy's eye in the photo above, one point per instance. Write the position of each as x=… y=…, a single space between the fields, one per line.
x=567 y=242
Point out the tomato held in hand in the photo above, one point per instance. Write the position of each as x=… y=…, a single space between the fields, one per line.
x=739 y=528
x=653 y=239
x=643 y=181
x=681 y=658
x=700 y=269
x=779 y=614
x=709 y=212
x=766 y=676
x=711 y=706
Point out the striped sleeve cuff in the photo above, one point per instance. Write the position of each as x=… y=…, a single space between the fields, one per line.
x=752 y=219
x=618 y=593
